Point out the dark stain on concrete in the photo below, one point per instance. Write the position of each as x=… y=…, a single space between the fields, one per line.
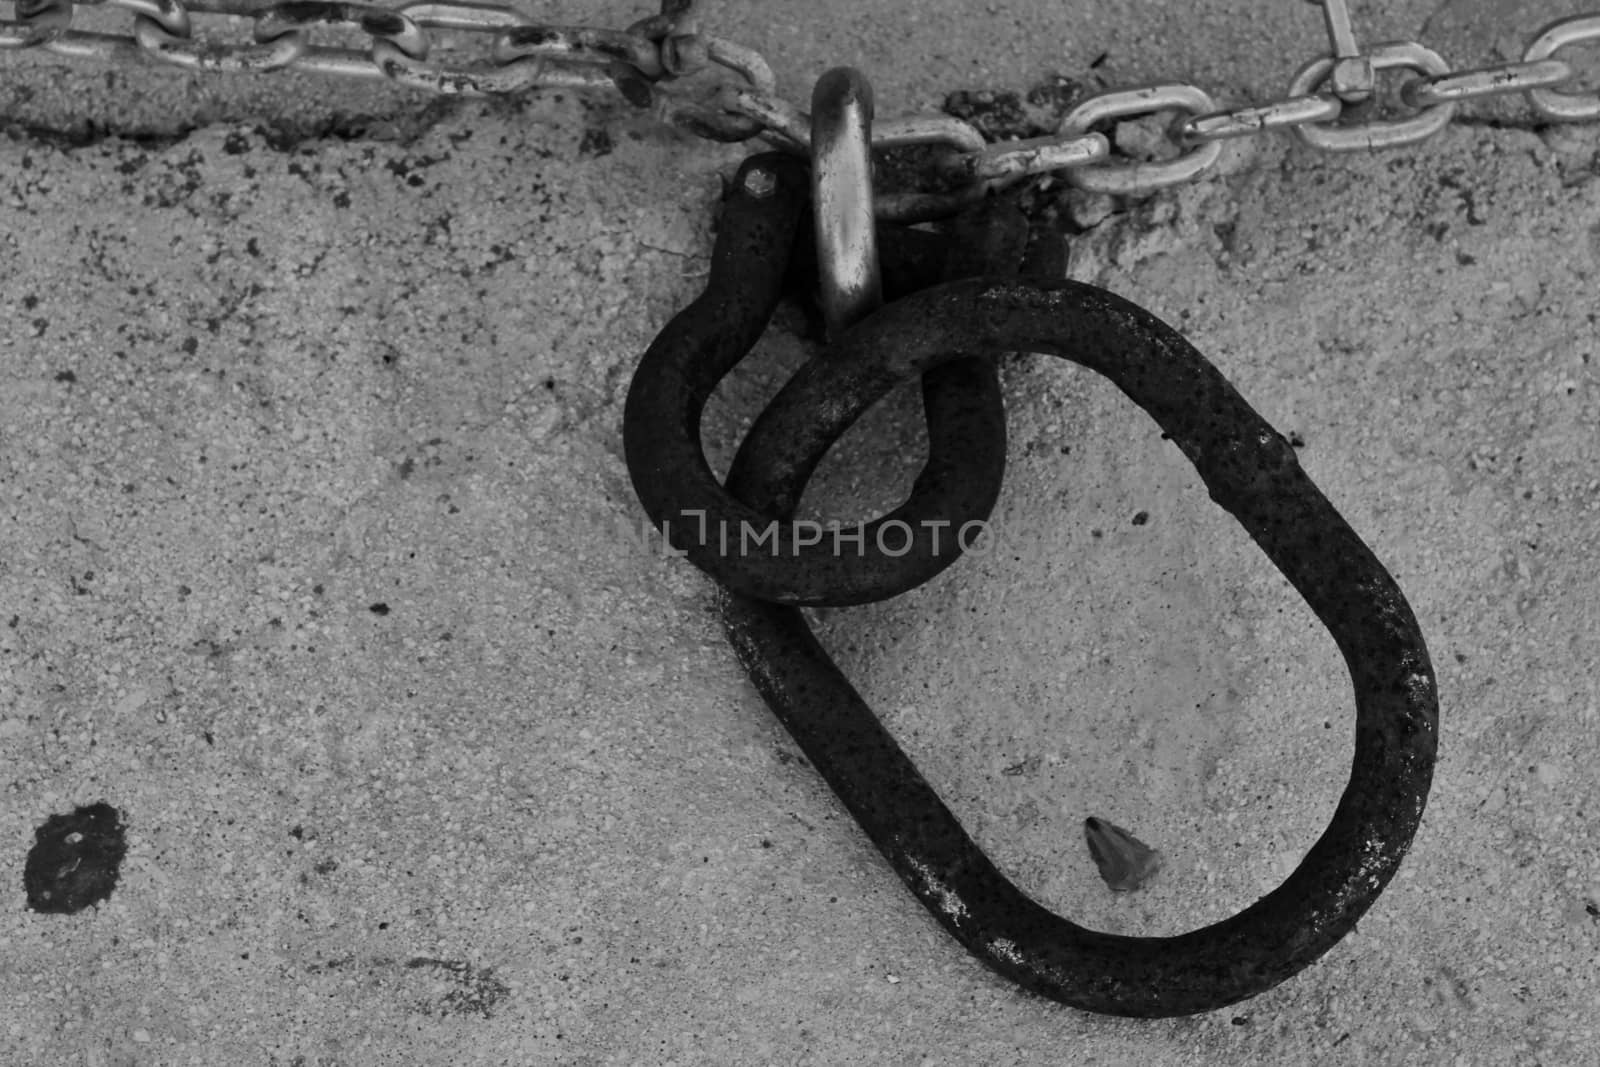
x=75 y=860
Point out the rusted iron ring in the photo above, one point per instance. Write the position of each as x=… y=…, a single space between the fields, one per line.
x=1252 y=472
x=740 y=546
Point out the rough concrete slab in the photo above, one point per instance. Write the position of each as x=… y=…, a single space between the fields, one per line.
x=321 y=565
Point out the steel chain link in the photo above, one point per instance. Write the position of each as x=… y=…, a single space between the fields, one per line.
x=726 y=92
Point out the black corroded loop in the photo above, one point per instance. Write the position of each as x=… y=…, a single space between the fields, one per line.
x=1253 y=473
x=738 y=545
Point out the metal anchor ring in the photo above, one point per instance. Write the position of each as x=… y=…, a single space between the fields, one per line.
x=1252 y=472
x=738 y=545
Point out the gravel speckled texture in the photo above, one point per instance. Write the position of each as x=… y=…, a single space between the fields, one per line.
x=322 y=567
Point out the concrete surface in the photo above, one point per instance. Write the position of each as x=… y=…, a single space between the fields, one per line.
x=317 y=566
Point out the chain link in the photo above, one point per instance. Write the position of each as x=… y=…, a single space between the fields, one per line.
x=726 y=92
x=1375 y=133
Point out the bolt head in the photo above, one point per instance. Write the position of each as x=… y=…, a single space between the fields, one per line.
x=1353 y=79
x=760 y=182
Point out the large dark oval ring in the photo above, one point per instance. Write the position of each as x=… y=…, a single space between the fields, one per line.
x=739 y=546
x=1253 y=473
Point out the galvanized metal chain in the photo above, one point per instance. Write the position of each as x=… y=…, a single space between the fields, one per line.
x=727 y=92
